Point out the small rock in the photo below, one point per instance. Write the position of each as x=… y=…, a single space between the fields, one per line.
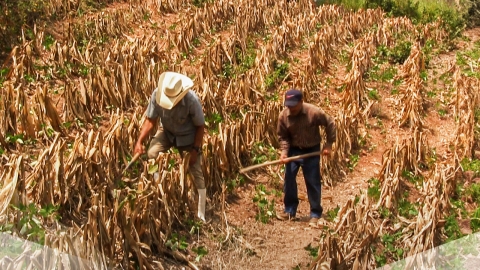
x=476 y=154
x=468 y=175
x=465 y=226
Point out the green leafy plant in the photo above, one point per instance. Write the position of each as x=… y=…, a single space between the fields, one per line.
x=353 y=161
x=30 y=225
x=406 y=208
x=3 y=73
x=475 y=220
x=332 y=213
x=176 y=242
x=200 y=251
x=266 y=208
x=262 y=153
x=412 y=178
x=373 y=94
x=471 y=165
x=48 y=42
x=474 y=192
x=384 y=212
x=452 y=229
x=389 y=241
x=312 y=251
x=279 y=73
x=373 y=190
x=212 y=121
x=442 y=112
x=228 y=71
x=195 y=226
x=232 y=184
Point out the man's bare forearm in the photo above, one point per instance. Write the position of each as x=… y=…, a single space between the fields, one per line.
x=145 y=131
x=199 y=132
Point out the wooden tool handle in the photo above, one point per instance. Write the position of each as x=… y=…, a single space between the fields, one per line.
x=135 y=157
x=279 y=161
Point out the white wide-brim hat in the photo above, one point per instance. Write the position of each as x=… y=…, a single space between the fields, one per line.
x=172 y=87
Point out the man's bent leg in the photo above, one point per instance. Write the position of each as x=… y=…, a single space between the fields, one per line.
x=311 y=173
x=158 y=144
x=197 y=174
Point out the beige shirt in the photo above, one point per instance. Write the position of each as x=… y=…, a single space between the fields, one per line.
x=303 y=130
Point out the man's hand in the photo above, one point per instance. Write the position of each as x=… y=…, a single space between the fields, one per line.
x=283 y=156
x=327 y=149
x=138 y=149
x=193 y=157
x=144 y=133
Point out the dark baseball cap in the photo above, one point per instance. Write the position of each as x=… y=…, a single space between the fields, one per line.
x=292 y=97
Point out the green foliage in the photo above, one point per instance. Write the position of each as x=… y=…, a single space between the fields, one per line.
x=200 y=251
x=452 y=20
x=3 y=75
x=232 y=184
x=380 y=259
x=474 y=192
x=280 y=71
x=15 y=14
x=272 y=96
x=17 y=138
x=332 y=213
x=312 y=251
x=418 y=11
x=373 y=190
x=242 y=62
x=384 y=212
x=176 y=242
x=442 y=112
x=246 y=60
x=452 y=229
x=228 y=71
x=373 y=94
x=30 y=224
x=400 y=52
x=412 y=178
x=353 y=161
x=471 y=165
x=406 y=208
x=469 y=58
x=475 y=221
x=266 y=209
x=390 y=247
x=384 y=75
x=212 y=122
x=262 y=153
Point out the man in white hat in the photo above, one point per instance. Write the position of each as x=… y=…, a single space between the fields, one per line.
x=181 y=125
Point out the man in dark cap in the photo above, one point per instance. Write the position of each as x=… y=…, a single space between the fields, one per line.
x=298 y=130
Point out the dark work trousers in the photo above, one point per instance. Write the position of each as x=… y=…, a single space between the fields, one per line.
x=311 y=172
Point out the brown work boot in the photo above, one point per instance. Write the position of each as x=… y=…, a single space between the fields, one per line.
x=313 y=222
x=285 y=216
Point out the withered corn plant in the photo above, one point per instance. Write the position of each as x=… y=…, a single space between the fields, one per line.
x=466 y=102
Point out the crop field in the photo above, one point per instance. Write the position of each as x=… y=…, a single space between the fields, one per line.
x=404 y=95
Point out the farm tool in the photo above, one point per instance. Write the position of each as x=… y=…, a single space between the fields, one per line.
x=317 y=153
x=134 y=158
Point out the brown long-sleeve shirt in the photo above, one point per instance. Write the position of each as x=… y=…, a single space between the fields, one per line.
x=302 y=130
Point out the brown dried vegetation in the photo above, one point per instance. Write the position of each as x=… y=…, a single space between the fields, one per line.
x=79 y=104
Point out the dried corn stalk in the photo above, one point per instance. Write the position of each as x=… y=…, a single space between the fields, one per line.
x=465 y=103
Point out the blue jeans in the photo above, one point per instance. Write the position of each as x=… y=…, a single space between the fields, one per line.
x=311 y=172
